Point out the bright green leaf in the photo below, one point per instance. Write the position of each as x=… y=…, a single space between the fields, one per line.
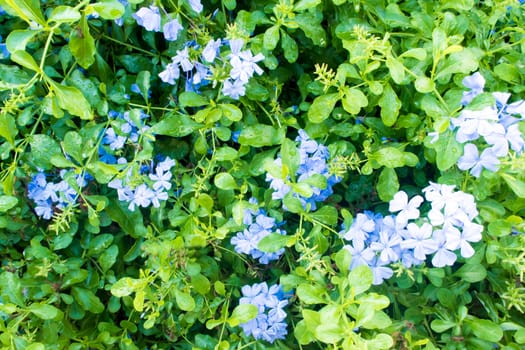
x=390 y=105
x=225 y=181
x=44 y=311
x=322 y=107
x=64 y=14
x=271 y=37
x=82 y=44
x=184 y=300
x=387 y=184
x=18 y=39
x=7 y=202
x=109 y=9
x=311 y=293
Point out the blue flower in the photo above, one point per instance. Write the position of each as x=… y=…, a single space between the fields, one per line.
x=171 y=29
x=149 y=18
x=170 y=73
x=268 y=325
x=420 y=240
x=407 y=209
x=443 y=256
x=476 y=84
x=247 y=241
x=360 y=228
x=113 y=140
x=196 y=5
x=472 y=160
x=233 y=88
x=211 y=50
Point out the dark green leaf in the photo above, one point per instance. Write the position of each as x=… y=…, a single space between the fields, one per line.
x=387 y=184
x=87 y=300
x=43 y=147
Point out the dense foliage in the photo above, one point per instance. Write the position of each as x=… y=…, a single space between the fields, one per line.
x=340 y=174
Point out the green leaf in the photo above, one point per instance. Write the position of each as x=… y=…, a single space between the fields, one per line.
x=390 y=105
x=381 y=341
x=310 y=24
x=175 y=125
x=326 y=215
x=448 y=151
x=87 y=300
x=232 y=112
x=322 y=107
x=353 y=100
x=192 y=99
x=73 y=145
x=424 y=84
x=242 y=314
x=517 y=186
x=123 y=287
x=464 y=61
x=225 y=181
x=7 y=202
x=8 y=128
x=230 y=5
x=519 y=336
x=377 y=301
x=290 y=156
x=72 y=100
x=311 y=293
x=396 y=68
x=28 y=10
x=82 y=44
x=64 y=14
x=272 y=243
x=441 y=326
x=260 y=135
x=302 y=5
x=18 y=39
x=330 y=333
x=45 y=311
x=271 y=38
x=293 y=204
x=184 y=300
x=289 y=46
x=486 y=329
x=43 y=147
x=226 y=153
x=472 y=273
x=25 y=60
x=360 y=279
x=389 y=157
x=109 y=9
x=143 y=82
x=387 y=184
x=343 y=259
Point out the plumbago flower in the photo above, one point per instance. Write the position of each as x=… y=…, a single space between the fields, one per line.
x=269 y=323
x=196 y=64
x=153 y=184
x=495 y=127
x=259 y=226
x=411 y=239
x=49 y=196
x=313 y=165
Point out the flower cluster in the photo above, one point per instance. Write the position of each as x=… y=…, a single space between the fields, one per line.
x=125 y=128
x=496 y=123
x=151 y=189
x=313 y=163
x=50 y=195
x=151 y=19
x=259 y=226
x=409 y=238
x=269 y=324
x=242 y=65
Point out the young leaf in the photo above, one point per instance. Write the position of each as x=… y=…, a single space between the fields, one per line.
x=109 y=9
x=72 y=100
x=271 y=38
x=387 y=185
